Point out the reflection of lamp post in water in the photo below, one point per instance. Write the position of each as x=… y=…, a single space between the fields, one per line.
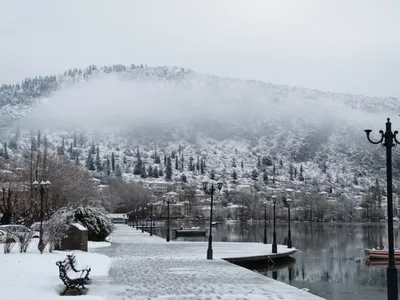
x=151 y=218
x=289 y=242
x=274 y=246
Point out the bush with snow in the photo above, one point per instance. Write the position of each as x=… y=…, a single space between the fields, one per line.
x=95 y=219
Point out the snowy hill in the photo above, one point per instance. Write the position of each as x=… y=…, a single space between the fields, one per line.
x=251 y=129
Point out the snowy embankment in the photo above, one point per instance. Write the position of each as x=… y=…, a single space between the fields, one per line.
x=33 y=275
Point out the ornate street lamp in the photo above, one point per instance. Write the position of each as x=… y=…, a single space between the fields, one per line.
x=388 y=140
x=151 y=218
x=42 y=187
x=289 y=242
x=274 y=246
x=211 y=191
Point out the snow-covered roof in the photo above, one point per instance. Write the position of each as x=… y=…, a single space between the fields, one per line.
x=115 y=216
x=79 y=226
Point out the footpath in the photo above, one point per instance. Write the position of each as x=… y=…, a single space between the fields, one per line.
x=147 y=267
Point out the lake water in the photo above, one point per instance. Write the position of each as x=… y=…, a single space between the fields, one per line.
x=331 y=262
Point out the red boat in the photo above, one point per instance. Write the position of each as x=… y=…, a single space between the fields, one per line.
x=379 y=263
x=374 y=254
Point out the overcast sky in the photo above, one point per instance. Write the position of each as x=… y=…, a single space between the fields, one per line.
x=335 y=45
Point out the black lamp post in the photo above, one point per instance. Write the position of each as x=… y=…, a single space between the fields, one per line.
x=262 y=194
x=274 y=246
x=211 y=192
x=136 y=219
x=151 y=218
x=289 y=242
x=265 y=223
x=145 y=218
x=142 y=218
x=42 y=187
x=388 y=139
x=168 y=230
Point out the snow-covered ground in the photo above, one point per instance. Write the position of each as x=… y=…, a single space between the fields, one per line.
x=33 y=275
x=137 y=266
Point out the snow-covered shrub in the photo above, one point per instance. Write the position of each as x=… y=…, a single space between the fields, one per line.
x=95 y=219
x=9 y=243
x=24 y=241
x=55 y=229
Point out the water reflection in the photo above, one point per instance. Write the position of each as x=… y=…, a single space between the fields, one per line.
x=331 y=262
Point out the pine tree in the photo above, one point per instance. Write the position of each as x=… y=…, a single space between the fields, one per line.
x=173 y=154
x=143 y=173
x=182 y=160
x=112 y=161
x=176 y=163
x=324 y=167
x=98 y=161
x=291 y=171
x=212 y=175
x=273 y=170
x=198 y=163
x=259 y=162
x=150 y=172
x=74 y=141
x=108 y=169
x=265 y=178
x=118 y=172
x=234 y=163
x=156 y=157
x=160 y=173
x=168 y=169
x=180 y=149
x=5 y=155
x=90 y=162
x=165 y=159
x=202 y=166
x=234 y=175
x=191 y=166
x=301 y=176
x=241 y=164
x=38 y=140
x=124 y=159
x=155 y=172
x=81 y=141
x=254 y=174
x=281 y=163
x=295 y=172
x=93 y=149
x=183 y=178
x=137 y=153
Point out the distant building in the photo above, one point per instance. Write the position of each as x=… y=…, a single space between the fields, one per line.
x=118 y=218
x=245 y=188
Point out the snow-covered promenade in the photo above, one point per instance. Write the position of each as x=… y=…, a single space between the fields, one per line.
x=137 y=266
x=145 y=267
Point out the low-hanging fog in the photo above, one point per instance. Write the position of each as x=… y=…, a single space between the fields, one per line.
x=124 y=102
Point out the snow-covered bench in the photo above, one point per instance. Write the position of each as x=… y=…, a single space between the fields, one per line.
x=84 y=273
x=70 y=283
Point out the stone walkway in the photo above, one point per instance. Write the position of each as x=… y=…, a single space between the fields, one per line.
x=145 y=267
